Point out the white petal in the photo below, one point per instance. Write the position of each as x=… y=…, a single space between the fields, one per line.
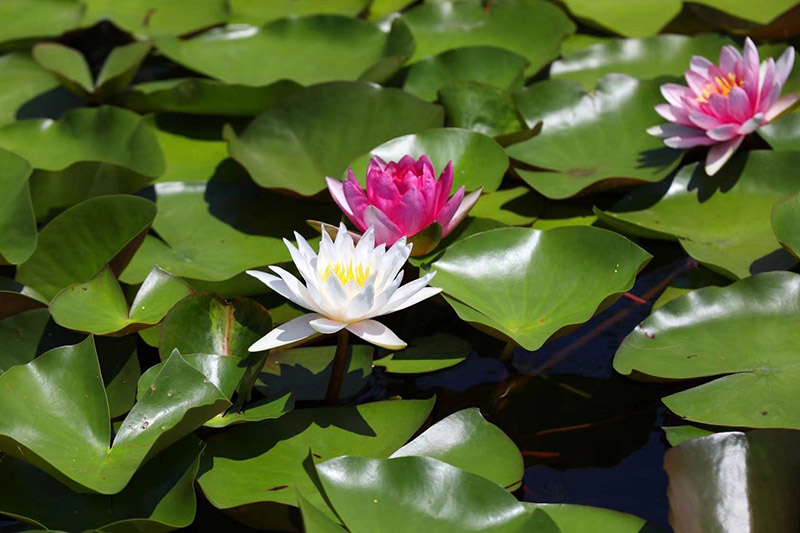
x=376 y=333
x=361 y=304
x=292 y=290
x=305 y=249
x=300 y=261
x=406 y=292
x=326 y=326
x=294 y=330
x=422 y=294
x=392 y=262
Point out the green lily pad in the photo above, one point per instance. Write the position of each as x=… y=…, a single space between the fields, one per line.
x=630 y=19
x=160 y=497
x=379 y=9
x=486 y=109
x=21 y=80
x=494 y=66
x=306 y=372
x=104 y=134
x=723 y=481
x=99 y=306
x=594 y=139
x=19 y=337
x=679 y=434
x=647 y=58
x=427 y=354
x=120 y=68
x=223 y=371
x=43 y=18
x=262 y=11
x=17 y=224
x=193 y=147
x=517 y=206
x=263 y=461
x=255 y=412
x=421 y=494
x=121 y=371
x=583 y=518
x=467 y=441
x=75 y=245
x=531 y=28
x=157 y=17
x=521 y=283
x=743 y=332
x=67 y=64
x=319 y=130
x=217 y=230
x=69 y=439
x=786 y=223
x=202 y=96
x=761 y=13
x=784 y=133
x=478 y=161
x=722 y=221
x=306 y=50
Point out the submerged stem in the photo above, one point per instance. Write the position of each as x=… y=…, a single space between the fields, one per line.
x=339 y=365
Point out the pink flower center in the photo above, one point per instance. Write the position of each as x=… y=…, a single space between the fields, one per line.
x=721 y=86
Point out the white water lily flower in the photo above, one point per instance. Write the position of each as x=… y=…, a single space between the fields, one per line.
x=346 y=285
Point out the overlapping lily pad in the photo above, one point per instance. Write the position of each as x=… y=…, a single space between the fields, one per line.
x=744 y=332
x=485 y=109
x=17 y=223
x=157 y=17
x=70 y=439
x=531 y=28
x=647 y=58
x=427 y=354
x=786 y=223
x=193 y=148
x=526 y=285
x=478 y=161
x=722 y=221
x=496 y=66
x=43 y=18
x=762 y=13
x=306 y=50
x=583 y=518
x=262 y=11
x=318 y=131
x=594 y=139
x=21 y=80
x=83 y=239
x=631 y=19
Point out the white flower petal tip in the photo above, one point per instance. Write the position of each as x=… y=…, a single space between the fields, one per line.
x=376 y=333
x=289 y=332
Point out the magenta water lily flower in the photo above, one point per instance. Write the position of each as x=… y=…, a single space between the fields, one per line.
x=402 y=198
x=724 y=103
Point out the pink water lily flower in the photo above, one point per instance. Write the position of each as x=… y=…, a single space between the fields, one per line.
x=724 y=103
x=402 y=198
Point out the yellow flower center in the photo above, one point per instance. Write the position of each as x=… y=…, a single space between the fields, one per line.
x=346 y=272
x=721 y=86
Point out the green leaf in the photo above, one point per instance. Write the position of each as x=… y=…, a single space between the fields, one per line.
x=121 y=371
x=214 y=231
x=319 y=130
x=17 y=224
x=69 y=439
x=83 y=239
x=157 y=17
x=467 y=441
x=478 y=161
x=263 y=461
x=20 y=336
x=786 y=223
x=761 y=13
x=679 y=434
x=193 y=146
x=626 y=18
x=104 y=134
x=530 y=28
x=202 y=96
x=427 y=354
x=160 y=497
x=205 y=323
x=647 y=58
x=255 y=412
x=494 y=66
x=306 y=372
x=68 y=65
x=120 y=67
x=263 y=11
x=594 y=139
x=520 y=283
x=483 y=108
x=722 y=221
x=585 y=519
x=420 y=494
x=314 y=520
x=22 y=80
x=99 y=306
x=517 y=206
x=735 y=480
x=306 y=50
x=743 y=332
x=223 y=371
x=783 y=134
x=43 y=18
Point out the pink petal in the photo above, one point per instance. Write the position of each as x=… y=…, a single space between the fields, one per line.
x=356 y=200
x=673 y=93
x=696 y=82
x=700 y=65
x=385 y=230
x=706 y=122
x=719 y=154
x=672 y=130
x=771 y=97
x=461 y=213
x=689 y=141
x=751 y=125
x=724 y=132
x=718 y=107
x=447 y=213
x=381 y=189
x=675 y=114
x=728 y=58
x=766 y=78
x=738 y=106
x=752 y=69
x=409 y=215
x=783 y=67
x=781 y=106
x=443 y=187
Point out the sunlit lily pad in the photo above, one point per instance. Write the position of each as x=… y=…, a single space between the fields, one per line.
x=485 y=109
x=427 y=354
x=157 y=17
x=786 y=223
x=531 y=28
x=17 y=223
x=478 y=161
x=319 y=130
x=526 y=285
x=306 y=50
x=783 y=134
x=495 y=66
x=760 y=12
x=592 y=139
x=517 y=206
x=74 y=246
x=650 y=57
x=631 y=19
x=745 y=332
x=70 y=439
x=722 y=221
x=585 y=519
x=43 y=18
x=262 y=11
x=193 y=146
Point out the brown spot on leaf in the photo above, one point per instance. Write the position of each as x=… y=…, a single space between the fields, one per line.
x=692 y=356
x=279 y=487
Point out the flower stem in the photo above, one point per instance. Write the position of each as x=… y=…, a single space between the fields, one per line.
x=339 y=365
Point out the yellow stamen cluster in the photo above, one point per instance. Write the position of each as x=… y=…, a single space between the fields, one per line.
x=346 y=272
x=721 y=86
